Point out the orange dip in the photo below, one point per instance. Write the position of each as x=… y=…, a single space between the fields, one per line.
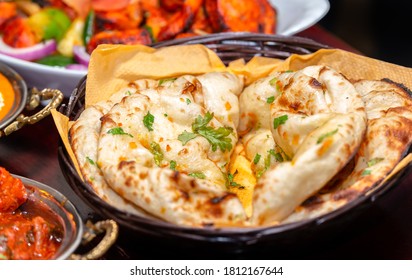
x=6 y=96
x=23 y=236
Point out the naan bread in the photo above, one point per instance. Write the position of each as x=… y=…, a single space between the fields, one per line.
x=387 y=140
x=148 y=164
x=318 y=121
x=84 y=138
x=307 y=143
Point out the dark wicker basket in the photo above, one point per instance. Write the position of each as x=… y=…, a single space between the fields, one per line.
x=229 y=46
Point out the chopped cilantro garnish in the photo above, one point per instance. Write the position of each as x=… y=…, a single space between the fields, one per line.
x=267 y=162
x=186 y=137
x=188 y=101
x=374 y=161
x=366 y=172
x=270 y=99
x=118 y=131
x=326 y=135
x=157 y=153
x=256 y=159
x=172 y=165
x=278 y=156
x=217 y=137
x=230 y=178
x=162 y=81
x=279 y=121
x=89 y=160
x=128 y=92
x=148 y=121
x=166 y=115
x=273 y=81
x=199 y=175
x=260 y=173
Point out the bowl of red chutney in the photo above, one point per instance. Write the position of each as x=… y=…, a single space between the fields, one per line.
x=36 y=221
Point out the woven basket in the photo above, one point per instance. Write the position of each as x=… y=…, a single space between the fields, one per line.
x=228 y=46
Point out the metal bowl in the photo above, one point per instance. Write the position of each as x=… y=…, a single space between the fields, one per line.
x=57 y=210
x=26 y=99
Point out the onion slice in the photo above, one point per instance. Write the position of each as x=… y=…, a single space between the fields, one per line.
x=80 y=55
x=30 y=53
x=76 y=67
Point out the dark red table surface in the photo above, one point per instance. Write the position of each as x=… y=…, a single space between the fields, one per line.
x=384 y=232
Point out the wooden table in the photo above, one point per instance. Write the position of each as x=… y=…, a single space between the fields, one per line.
x=384 y=232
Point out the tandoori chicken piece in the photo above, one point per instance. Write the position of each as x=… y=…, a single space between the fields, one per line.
x=8 y=10
x=126 y=37
x=181 y=21
x=18 y=34
x=232 y=15
x=171 y=5
x=128 y=18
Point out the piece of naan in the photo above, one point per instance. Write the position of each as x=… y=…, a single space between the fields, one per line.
x=318 y=122
x=388 y=138
x=154 y=149
x=84 y=138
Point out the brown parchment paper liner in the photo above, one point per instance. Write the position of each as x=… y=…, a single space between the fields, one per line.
x=113 y=67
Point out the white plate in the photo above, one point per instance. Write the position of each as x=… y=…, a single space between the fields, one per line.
x=293 y=16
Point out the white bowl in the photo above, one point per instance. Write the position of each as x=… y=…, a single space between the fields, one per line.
x=293 y=17
x=43 y=76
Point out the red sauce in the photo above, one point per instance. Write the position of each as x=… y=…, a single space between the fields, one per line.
x=23 y=235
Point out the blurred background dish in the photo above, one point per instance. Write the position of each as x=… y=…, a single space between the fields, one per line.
x=43 y=76
x=292 y=16
x=15 y=97
x=57 y=230
x=297 y=15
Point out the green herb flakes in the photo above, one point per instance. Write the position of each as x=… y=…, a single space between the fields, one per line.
x=162 y=81
x=279 y=121
x=273 y=81
x=89 y=160
x=366 y=172
x=270 y=99
x=326 y=135
x=185 y=137
x=232 y=183
x=157 y=153
x=172 y=165
x=199 y=175
x=188 y=101
x=374 y=161
x=148 y=121
x=217 y=137
x=278 y=156
x=118 y=131
x=256 y=159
